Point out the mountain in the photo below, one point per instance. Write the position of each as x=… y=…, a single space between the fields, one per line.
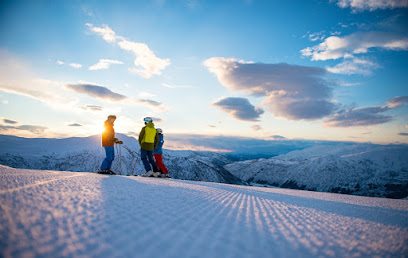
x=86 y=154
x=361 y=169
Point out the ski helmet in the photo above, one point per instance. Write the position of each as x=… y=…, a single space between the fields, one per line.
x=159 y=130
x=148 y=119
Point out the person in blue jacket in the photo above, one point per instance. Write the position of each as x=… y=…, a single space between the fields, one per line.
x=158 y=155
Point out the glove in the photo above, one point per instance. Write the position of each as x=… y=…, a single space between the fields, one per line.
x=119 y=142
x=114 y=139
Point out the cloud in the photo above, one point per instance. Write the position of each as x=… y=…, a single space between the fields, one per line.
x=239 y=108
x=293 y=92
x=107 y=33
x=146 y=62
x=354 y=66
x=157 y=119
x=397 y=101
x=75 y=125
x=316 y=36
x=8 y=121
x=31 y=128
x=104 y=64
x=256 y=127
x=104 y=93
x=176 y=86
x=75 y=65
x=277 y=137
x=149 y=102
x=358 y=43
x=358 y=117
x=91 y=107
x=365 y=116
x=96 y=91
x=145 y=58
x=371 y=5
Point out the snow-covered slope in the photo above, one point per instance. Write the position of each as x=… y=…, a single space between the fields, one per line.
x=71 y=214
x=86 y=154
x=363 y=169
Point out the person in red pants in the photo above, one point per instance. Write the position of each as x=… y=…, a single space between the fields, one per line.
x=158 y=155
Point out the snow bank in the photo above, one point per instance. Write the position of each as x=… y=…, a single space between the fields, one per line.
x=69 y=214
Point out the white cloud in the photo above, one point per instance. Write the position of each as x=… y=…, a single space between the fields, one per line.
x=358 y=43
x=317 y=36
x=146 y=62
x=75 y=65
x=145 y=58
x=107 y=33
x=104 y=64
x=354 y=66
x=91 y=107
x=145 y=94
x=349 y=84
x=175 y=86
x=293 y=92
x=361 y=5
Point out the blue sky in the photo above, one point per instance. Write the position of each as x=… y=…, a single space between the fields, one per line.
x=318 y=70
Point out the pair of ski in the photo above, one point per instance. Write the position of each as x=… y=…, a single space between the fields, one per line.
x=106 y=172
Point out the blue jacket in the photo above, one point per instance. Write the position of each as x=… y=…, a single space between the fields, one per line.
x=159 y=147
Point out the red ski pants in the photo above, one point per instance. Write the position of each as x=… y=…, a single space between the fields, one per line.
x=160 y=164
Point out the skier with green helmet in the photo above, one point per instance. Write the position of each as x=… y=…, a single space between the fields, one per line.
x=148 y=140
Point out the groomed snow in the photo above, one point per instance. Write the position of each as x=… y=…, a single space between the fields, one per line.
x=56 y=213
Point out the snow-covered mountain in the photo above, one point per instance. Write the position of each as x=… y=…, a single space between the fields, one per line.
x=86 y=154
x=362 y=169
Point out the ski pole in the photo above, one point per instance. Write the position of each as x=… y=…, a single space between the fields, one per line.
x=120 y=158
x=134 y=166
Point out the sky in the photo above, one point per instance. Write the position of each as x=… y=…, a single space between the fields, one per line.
x=328 y=70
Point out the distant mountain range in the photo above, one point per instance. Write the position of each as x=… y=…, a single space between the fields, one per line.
x=360 y=169
x=86 y=154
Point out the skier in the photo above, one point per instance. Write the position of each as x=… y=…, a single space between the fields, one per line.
x=158 y=155
x=148 y=140
x=108 y=141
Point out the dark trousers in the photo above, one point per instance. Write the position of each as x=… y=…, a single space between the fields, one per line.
x=147 y=158
x=110 y=156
